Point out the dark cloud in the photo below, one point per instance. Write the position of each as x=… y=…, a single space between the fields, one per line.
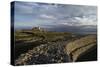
x=89 y=29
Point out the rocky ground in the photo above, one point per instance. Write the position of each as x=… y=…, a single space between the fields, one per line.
x=45 y=53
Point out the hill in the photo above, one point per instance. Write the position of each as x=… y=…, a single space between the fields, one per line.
x=32 y=46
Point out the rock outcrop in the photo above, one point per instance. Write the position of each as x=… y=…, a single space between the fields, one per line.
x=81 y=47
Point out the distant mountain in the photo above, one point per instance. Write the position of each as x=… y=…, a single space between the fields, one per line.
x=84 y=29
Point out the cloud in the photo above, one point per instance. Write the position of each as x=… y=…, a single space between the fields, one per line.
x=44 y=16
x=22 y=8
x=79 y=21
x=72 y=17
x=86 y=20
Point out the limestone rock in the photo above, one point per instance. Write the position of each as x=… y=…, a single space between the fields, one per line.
x=80 y=46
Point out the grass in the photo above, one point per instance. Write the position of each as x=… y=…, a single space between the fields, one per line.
x=49 y=36
x=27 y=39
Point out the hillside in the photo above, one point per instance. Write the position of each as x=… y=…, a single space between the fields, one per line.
x=80 y=47
x=32 y=46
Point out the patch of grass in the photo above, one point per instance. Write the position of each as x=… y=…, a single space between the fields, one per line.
x=28 y=39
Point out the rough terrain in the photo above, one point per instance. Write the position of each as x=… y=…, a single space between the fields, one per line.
x=44 y=47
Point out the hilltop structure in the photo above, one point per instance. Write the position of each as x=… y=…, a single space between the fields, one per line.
x=38 y=29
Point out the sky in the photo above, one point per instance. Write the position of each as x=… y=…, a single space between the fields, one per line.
x=60 y=17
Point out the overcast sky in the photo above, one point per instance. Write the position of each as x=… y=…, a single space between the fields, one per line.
x=29 y=14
